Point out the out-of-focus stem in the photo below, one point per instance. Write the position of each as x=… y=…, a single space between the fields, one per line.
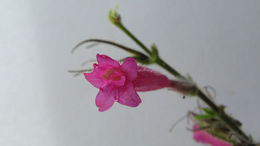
x=221 y=113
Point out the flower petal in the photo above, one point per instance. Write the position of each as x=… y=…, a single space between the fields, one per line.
x=128 y=96
x=205 y=137
x=104 y=61
x=130 y=68
x=94 y=77
x=148 y=80
x=104 y=100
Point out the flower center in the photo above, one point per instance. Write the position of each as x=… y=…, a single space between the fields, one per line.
x=112 y=74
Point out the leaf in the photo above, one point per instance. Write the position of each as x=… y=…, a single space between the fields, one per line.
x=206 y=116
x=209 y=111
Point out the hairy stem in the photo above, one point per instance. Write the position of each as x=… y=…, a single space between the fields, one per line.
x=222 y=115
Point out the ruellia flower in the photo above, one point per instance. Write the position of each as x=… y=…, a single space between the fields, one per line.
x=206 y=138
x=115 y=82
x=120 y=82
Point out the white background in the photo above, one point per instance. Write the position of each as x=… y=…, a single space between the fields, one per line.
x=217 y=42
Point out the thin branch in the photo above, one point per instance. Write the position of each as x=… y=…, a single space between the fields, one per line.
x=125 y=48
x=79 y=72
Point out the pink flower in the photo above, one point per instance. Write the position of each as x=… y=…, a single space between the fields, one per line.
x=115 y=82
x=120 y=82
x=205 y=137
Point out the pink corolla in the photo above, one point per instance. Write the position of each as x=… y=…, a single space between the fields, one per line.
x=120 y=82
x=206 y=138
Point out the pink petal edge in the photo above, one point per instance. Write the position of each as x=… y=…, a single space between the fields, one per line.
x=94 y=79
x=130 y=68
x=128 y=96
x=104 y=100
x=104 y=61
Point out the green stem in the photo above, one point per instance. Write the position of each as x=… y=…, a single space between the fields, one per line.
x=125 y=48
x=167 y=67
x=125 y=30
x=223 y=116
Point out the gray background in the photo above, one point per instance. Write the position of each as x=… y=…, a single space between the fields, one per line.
x=217 y=42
